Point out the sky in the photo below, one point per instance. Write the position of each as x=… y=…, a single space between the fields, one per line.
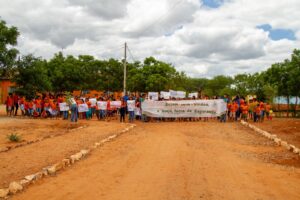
x=203 y=38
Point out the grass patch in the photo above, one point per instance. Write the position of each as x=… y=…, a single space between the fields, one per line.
x=13 y=137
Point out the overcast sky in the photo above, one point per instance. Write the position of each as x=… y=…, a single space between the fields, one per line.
x=204 y=38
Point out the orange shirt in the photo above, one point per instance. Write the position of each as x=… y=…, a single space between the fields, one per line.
x=262 y=106
x=53 y=106
x=234 y=107
x=30 y=105
x=245 y=109
x=257 y=110
x=89 y=104
x=46 y=104
x=229 y=106
x=268 y=108
x=38 y=103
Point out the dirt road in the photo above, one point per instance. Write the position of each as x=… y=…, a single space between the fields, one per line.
x=178 y=161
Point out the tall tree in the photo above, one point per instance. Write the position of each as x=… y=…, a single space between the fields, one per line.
x=32 y=76
x=8 y=54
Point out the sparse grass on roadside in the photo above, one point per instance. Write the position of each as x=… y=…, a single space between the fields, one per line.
x=14 y=137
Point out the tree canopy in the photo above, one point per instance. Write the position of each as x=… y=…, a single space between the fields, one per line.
x=8 y=54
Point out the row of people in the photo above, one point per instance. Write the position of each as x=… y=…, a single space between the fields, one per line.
x=49 y=106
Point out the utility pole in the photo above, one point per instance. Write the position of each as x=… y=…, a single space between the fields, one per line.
x=124 y=83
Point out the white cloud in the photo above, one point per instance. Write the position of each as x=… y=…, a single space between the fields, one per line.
x=200 y=41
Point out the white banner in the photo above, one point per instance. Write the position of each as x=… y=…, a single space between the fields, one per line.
x=165 y=95
x=102 y=105
x=115 y=104
x=173 y=94
x=93 y=102
x=130 y=105
x=63 y=107
x=184 y=108
x=153 y=96
x=83 y=108
x=177 y=94
x=181 y=94
x=194 y=94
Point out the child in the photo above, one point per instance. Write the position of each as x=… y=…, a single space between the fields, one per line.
x=22 y=106
x=244 y=109
x=270 y=115
x=257 y=113
x=9 y=105
x=122 y=111
x=89 y=112
x=38 y=106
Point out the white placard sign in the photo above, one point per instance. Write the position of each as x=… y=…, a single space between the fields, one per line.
x=165 y=95
x=83 y=108
x=153 y=96
x=180 y=94
x=64 y=106
x=93 y=101
x=115 y=104
x=173 y=94
x=184 y=108
x=130 y=105
x=102 y=105
x=194 y=94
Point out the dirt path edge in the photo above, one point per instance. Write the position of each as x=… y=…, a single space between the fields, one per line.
x=17 y=186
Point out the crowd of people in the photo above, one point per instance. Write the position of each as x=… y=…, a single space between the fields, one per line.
x=50 y=106
x=255 y=110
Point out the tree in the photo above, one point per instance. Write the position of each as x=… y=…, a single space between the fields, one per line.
x=32 y=76
x=217 y=84
x=294 y=73
x=8 y=54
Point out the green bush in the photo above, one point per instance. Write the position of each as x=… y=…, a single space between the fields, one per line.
x=14 y=137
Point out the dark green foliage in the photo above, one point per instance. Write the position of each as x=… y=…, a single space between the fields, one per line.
x=8 y=54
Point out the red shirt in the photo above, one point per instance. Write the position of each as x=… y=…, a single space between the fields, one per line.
x=16 y=98
x=9 y=101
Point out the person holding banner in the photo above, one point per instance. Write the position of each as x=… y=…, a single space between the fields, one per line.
x=131 y=107
x=66 y=110
x=137 y=110
x=109 y=110
x=102 y=106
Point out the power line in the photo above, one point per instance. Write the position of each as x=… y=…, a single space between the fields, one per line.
x=132 y=57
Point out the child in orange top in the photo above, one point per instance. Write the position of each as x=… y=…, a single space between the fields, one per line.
x=30 y=108
x=89 y=113
x=245 y=109
x=257 y=113
x=109 y=110
x=233 y=110
x=38 y=105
